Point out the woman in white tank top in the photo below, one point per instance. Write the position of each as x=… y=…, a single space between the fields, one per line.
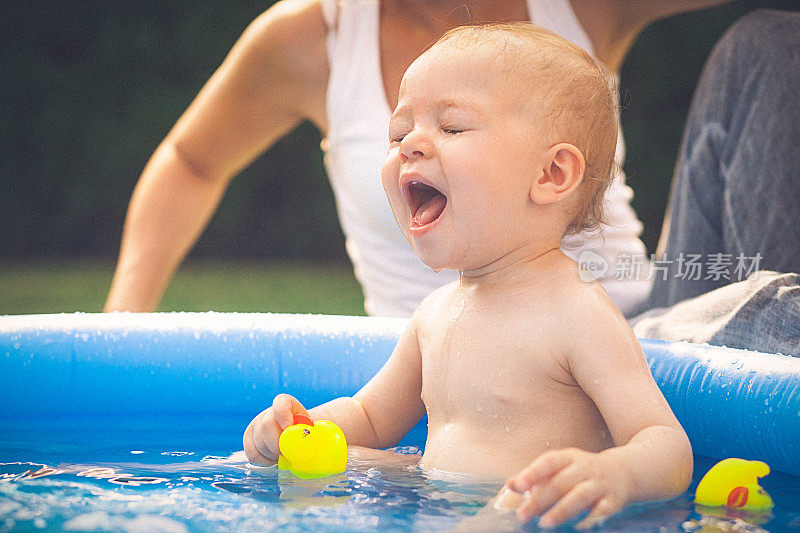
x=338 y=64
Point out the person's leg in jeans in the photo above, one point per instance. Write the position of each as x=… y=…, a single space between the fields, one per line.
x=735 y=202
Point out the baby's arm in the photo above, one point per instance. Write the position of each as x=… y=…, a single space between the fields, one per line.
x=652 y=459
x=378 y=416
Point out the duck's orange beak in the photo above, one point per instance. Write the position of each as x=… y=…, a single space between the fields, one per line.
x=302 y=419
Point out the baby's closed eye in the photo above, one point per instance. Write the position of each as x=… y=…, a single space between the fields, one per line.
x=398 y=128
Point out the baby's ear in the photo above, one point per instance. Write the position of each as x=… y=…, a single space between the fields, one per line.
x=561 y=174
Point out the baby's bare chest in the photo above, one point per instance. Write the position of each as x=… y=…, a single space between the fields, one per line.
x=494 y=362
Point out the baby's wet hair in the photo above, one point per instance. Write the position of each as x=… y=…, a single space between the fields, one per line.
x=579 y=96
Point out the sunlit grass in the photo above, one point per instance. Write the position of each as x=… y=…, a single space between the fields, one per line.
x=280 y=287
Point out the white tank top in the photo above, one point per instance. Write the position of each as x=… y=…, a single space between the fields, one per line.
x=393 y=278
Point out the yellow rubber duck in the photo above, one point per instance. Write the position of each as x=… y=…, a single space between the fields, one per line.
x=733 y=483
x=312 y=449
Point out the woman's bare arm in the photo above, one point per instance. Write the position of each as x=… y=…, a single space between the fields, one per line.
x=274 y=77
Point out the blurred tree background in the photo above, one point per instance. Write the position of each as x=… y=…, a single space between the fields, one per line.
x=90 y=88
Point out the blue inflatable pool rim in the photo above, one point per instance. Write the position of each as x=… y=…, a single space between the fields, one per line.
x=732 y=403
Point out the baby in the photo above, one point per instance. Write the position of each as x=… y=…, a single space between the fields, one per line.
x=502 y=143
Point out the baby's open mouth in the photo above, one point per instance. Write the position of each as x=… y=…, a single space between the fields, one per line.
x=426 y=203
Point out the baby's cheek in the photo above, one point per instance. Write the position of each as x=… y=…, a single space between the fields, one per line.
x=391 y=181
x=390 y=170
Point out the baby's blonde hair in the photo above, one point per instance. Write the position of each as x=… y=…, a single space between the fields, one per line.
x=579 y=97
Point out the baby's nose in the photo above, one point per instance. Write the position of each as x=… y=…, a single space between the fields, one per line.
x=416 y=145
x=412 y=154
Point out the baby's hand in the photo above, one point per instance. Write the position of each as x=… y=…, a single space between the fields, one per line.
x=569 y=482
x=261 y=436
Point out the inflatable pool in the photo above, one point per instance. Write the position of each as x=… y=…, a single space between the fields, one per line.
x=84 y=384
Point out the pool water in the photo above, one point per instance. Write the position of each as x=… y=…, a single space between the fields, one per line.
x=64 y=487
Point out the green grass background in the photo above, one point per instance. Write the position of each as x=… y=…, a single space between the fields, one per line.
x=279 y=287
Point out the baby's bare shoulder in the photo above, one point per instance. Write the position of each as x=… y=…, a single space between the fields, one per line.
x=435 y=303
x=590 y=310
x=597 y=328
x=589 y=299
x=563 y=290
x=576 y=310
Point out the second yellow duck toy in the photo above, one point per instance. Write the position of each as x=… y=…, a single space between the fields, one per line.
x=733 y=483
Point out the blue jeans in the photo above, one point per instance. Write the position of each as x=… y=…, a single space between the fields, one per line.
x=734 y=209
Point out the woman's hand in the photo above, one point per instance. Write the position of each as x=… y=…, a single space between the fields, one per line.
x=561 y=484
x=262 y=434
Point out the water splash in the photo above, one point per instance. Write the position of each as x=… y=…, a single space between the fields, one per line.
x=221 y=492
